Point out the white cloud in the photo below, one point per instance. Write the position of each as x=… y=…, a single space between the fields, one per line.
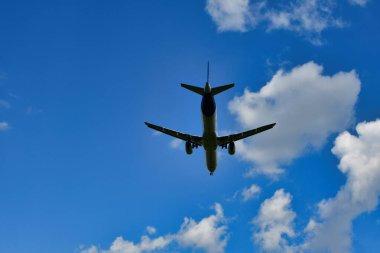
x=250 y=192
x=151 y=230
x=229 y=15
x=307 y=106
x=307 y=17
x=4 y=126
x=311 y=225
x=175 y=143
x=92 y=249
x=361 y=3
x=331 y=231
x=145 y=245
x=156 y=133
x=360 y=162
x=209 y=235
x=274 y=223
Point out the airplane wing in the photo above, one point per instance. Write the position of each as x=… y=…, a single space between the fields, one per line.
x=186 y=137
x=224 y=140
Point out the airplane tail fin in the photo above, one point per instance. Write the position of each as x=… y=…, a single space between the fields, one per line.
x=220 y=89
x=195 y=89
x=201 y=91
x=208 y=71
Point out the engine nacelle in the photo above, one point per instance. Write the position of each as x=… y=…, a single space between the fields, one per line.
x=231 y=148
x=189 y=148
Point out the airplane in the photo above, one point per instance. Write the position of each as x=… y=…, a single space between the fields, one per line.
x=209 y=139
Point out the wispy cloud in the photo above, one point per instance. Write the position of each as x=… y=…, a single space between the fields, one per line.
x=361 y=3
x=306 y=17
x=301 y=102
x=208 y=235
x=4 y=104
x=156 y=133
x=151 y=230
x=4 y=126
x=175 y=143
x=33 y=110
x=251 y=192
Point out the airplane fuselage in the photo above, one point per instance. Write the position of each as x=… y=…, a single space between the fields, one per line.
x=208 y=108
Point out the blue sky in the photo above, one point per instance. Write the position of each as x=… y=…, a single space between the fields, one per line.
x=80 y=172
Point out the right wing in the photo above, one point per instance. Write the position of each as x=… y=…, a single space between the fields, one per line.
x=224 y=140
x=186 y=137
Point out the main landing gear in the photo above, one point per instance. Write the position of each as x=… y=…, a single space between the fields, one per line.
x=211 y=173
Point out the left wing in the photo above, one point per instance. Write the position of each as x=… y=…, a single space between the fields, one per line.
x=224 y=140
x=186 y=137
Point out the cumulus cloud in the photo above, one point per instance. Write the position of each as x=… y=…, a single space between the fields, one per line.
x=124 y=246
x=360 y=162
x=274 y=223
x=307 y=17
x=250 y=192
x=209 y=235
x=331 y=229
x=229 y=15
x=307 y=106
x=4 y=126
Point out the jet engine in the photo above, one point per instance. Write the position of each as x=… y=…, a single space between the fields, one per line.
x=231 y=148
x=189 y=148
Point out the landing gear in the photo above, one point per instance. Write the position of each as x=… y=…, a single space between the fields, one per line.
x=211 y=173
x=193 y=145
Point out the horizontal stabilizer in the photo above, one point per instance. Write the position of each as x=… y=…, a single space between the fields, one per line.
x=220 y=89
x=195 y=89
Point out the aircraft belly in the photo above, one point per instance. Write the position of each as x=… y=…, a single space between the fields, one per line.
x=210 y=141
x=211 y=160
x=209 y=133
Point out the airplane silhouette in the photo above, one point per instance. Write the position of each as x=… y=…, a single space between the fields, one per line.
x=209 y=140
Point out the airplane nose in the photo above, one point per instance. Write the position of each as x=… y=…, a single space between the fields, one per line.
x=211 y=168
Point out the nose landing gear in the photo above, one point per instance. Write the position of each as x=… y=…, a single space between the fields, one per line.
x=211 y=173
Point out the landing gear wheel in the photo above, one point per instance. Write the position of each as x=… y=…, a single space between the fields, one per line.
x=211 y=173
